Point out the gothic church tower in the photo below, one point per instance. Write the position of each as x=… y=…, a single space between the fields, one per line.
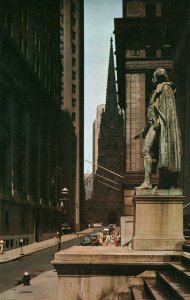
x=107 y=185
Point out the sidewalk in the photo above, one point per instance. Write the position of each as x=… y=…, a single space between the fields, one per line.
x=16 y=253
x=43 y=286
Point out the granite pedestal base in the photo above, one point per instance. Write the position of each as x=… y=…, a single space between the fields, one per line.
x=94 y=272
x=158 y=221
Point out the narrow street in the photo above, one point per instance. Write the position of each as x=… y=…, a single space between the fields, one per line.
x=36 y=263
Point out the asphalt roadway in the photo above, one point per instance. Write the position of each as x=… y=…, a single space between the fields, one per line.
x=43 y=286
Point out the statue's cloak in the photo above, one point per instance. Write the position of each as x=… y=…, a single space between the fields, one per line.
x=170 y=150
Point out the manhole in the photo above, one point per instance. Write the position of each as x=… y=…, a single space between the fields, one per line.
x=25 y=292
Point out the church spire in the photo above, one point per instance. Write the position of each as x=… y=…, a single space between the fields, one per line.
x=111 y=95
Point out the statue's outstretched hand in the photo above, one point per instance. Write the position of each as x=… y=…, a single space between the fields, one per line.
x=137 y=136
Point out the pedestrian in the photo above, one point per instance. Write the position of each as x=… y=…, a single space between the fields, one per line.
x=101 y=237
x=117 y=239
x=2 y=243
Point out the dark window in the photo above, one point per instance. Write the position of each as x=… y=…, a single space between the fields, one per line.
x=73 y=75
x=166 y=51
x=73 y=102
x=73 y=22
x=20 y=40
x=73 y=8
x=150 y=51
x=74 y=62
x=34 y=34
x=6 y=218
x=73 y=116
x=135 y=52
x=73 y=48
x=34 y=61
x=150 y=10
x=73 y=35
x=26 y=49
x=73 y=88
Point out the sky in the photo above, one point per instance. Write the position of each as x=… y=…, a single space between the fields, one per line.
x=98 y=29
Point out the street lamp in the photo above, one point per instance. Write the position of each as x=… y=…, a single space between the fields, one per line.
x=64 y=196
x=56 y=180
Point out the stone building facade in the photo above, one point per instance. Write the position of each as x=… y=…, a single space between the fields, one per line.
x=31 y=121
x=178 y=16
x=143 y=44
x=107 y=194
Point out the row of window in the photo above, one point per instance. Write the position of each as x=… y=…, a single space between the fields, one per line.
x=23 y=45
x=134 y=7
x=152 y=52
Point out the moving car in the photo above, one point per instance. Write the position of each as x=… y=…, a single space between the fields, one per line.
x=85 y=241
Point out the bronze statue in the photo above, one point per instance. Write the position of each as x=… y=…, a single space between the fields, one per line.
x=162 y=129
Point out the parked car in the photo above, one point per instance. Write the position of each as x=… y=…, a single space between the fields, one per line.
x=85 y=241
x=66 y=228
x=97 y=225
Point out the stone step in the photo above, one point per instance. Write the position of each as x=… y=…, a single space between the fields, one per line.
x=185 y=259
x=123 y=296
x=138 y=293
x=151 y=289
x=186 y=248
x=173 y=285
x=182 y=270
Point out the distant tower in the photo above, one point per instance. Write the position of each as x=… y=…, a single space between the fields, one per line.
x=96 y=130
x=107 y=194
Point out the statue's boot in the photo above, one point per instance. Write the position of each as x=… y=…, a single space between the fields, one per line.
x=148 y=172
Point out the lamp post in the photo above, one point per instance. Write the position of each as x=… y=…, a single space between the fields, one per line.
x=64 y=196
x=56 y=180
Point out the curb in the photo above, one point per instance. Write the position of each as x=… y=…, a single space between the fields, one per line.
x=38 y=250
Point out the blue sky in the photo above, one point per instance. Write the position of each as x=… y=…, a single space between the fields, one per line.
x=98 y=28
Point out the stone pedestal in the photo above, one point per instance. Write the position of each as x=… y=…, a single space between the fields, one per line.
x=94 y=272
x=158 y=221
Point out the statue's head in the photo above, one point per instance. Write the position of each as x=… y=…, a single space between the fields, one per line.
x=159 y=76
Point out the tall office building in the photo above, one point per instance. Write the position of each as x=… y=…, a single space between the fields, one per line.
x=96 y=130
x=72 y=53
x=31 y=120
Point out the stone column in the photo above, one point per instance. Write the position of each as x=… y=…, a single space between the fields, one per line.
x=135 y=122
